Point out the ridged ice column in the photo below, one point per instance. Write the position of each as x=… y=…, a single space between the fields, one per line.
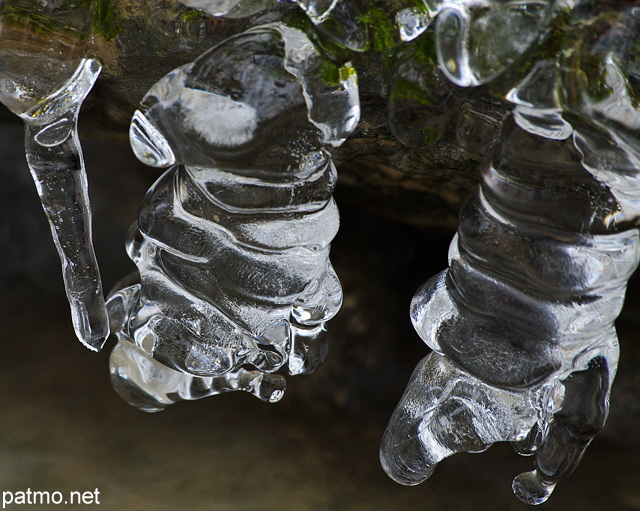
x=522 y=321
x=232 y=243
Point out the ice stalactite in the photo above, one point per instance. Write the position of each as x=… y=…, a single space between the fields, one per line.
x=522 y=321
x=44 y=78
x=232 y=242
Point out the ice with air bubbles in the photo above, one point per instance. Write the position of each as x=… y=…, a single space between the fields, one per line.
x=44 y=79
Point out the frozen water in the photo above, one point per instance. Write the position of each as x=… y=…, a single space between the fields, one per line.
x=46 y=89
x=232 y=243
x=335 y=19
x=228 y=8
x=479 y=41
x=318 y=10
x=55 y=159
x=151 y=386
x=447 y=410
x=522 y=321
x=421 y=102
x=342 y=23
x=412 y=22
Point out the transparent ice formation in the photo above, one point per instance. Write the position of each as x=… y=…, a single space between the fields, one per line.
x=413 y=21
x=229 y=8
x=522 y=321
x=337 y=20
x=232 y=242
x=317 y=10
x=421 y=102
x=479 y=41
x=341 y=22
x=44 y=79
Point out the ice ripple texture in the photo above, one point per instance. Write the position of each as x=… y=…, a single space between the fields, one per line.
x=522 y=321
x=232 y=242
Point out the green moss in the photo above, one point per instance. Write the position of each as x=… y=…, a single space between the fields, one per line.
x=191 y=15
x=298 y=19
x=430 y=135
x=333 y=75
x=38 y=23
x=420 y=57
x=347 y=72
x=103 y=20
x=591 y=76
x=417 y=4
x=381 y=27
x=410 y=92
x=424 y=49
x=329 y=73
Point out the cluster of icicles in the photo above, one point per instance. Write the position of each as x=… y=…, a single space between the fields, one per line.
x=232 y=243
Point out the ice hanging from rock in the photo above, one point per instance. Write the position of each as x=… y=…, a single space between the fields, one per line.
x=44 y=78
x=229 y=8
x=317 y=10
x=337 y=20
x=232 y=242
x=522 y=321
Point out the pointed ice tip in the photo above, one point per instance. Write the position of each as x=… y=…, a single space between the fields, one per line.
x=93 y=340
x=530 y=489
x=148 y=143
x=269 y=388
x=90 y=325
x=406 y=461
x=95 y=345
x=134 y=395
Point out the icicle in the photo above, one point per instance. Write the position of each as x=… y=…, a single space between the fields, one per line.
x=44 y=81
x=521 y=323
x=232 y=243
